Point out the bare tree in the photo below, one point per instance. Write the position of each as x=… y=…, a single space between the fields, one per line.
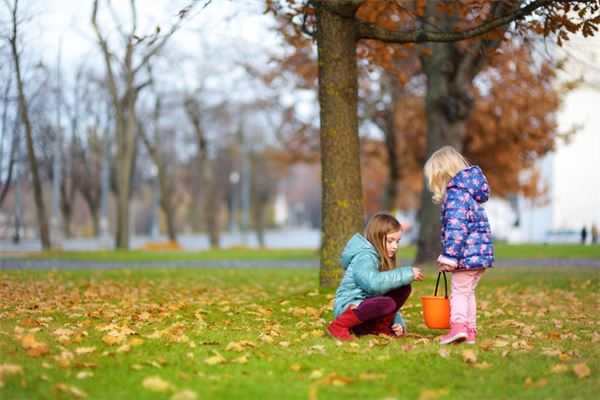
x=124 y=91
x=194 y=113
x=166 y=185
x=24 y=114
x=4 y=140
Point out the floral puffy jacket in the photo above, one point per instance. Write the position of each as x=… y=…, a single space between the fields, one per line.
x=466 y=237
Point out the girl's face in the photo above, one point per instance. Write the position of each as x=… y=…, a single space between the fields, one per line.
x=391 y=241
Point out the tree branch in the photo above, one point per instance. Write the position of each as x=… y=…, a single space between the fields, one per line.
x=112 y=87
x=372 y=31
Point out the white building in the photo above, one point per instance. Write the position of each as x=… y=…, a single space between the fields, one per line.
x=573 y=171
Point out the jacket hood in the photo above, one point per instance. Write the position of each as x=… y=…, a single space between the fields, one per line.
x=357 y=244
x=472 y=181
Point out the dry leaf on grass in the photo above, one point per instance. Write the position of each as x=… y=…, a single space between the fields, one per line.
x=216 y=359
x=582 y=370
x=371 y=376
x=241 y=360
x=432 y=394
x=530 y=383
x=444 y=352
x=39 y=349
x=157 y=384
x=84 y=374
x=334 y=380
x=185 y=394
x=11 y=369
x=469 y=356
x=72 y=390
x=80 y=351
x=483 y=365
x=559 y=369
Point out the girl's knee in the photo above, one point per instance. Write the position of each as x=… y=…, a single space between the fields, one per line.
x=387 y=305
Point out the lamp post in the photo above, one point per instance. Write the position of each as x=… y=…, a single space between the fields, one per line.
x=104 y=189
x=234 y=178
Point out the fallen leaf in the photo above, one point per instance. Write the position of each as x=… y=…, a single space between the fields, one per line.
x=216 y=359
x=80 y=351
x=582 y=370
x=371 y=376
x=72 y=390
x=157 y=384
x=469 y=356
x=334 y=380
x=316 y=374
x=483 y=365
x=559 y=369
x=295 y=367
x=530 y=383
x=124 y=349
x=432 y=394
x=241 y=360
x=28 y=341
x=84 y=374
x=39 y=349
x=11 y=369
x=185 y=394
x=444 y=352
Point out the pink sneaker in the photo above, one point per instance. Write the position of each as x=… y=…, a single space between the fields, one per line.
x=457 y=334
x=471 y=332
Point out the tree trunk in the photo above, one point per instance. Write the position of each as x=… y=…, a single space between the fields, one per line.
x=166 y=204
x=206 y=174
x=95 y=220
x=33 y=164
x=450 y=73
x=126 y=137
x=342 y=198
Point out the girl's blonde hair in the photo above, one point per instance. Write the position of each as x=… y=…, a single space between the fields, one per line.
x=380 y=225
x=440 y=168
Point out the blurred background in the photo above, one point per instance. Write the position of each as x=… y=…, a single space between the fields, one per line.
x=199 y=125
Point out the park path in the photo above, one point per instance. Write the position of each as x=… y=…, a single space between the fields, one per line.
x=16 y=263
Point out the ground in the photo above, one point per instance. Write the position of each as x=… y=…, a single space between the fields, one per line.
x=261 y=333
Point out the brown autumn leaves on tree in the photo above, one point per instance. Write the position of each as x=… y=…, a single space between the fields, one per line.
x=450 y=94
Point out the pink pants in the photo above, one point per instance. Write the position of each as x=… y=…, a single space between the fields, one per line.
x=463 y=306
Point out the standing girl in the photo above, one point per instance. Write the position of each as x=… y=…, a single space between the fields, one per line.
x=372 y=289
x=467 y=247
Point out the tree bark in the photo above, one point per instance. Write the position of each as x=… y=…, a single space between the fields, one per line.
x=342 y=198
x=450 y=73
x=33 y=163
x=207 y=175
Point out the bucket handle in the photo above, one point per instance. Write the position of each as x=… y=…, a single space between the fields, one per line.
x=445 y=285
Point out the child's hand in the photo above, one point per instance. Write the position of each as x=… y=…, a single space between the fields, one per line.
x=445 y=267
x=398 y=330
x=417 y=274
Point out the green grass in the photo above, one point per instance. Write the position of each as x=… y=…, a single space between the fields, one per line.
x=503 y=252
x=530 y=321
x=177 y=255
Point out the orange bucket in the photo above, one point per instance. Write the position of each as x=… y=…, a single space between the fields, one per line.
x=436 y=309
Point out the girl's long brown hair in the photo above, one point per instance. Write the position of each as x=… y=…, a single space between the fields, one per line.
x=380 y=225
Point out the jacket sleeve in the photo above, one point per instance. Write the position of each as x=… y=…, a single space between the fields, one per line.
x=398 y=319
x=375 y=282
x=454 y=227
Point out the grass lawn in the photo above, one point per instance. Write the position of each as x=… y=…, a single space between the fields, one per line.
x=503 y=251
x=260 y=334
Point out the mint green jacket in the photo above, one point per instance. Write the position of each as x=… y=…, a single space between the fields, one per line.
x=363 y=279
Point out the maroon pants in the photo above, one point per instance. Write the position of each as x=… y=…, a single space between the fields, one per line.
x=372 y=310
